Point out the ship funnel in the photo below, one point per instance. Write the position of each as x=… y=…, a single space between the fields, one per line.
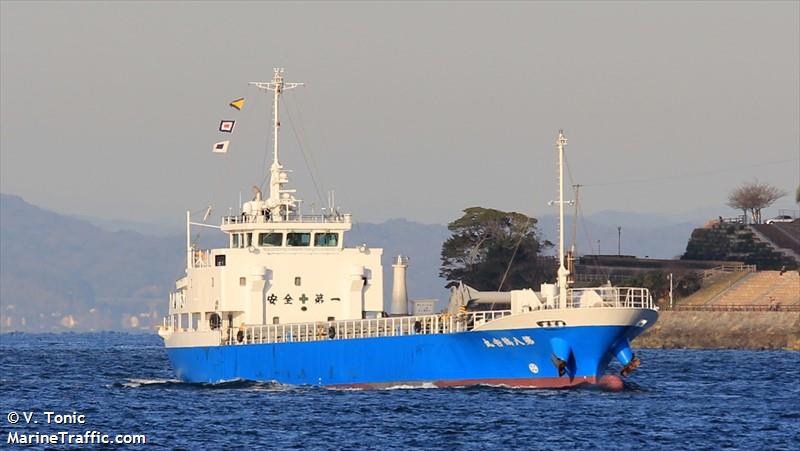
x=399 y=294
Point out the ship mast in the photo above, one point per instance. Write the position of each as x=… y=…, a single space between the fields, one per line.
x=277 y=196
x=562 y=271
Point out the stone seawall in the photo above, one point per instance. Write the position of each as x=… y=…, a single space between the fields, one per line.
x=732 y=330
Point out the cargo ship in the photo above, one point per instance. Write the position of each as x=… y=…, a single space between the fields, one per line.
x=288 y=302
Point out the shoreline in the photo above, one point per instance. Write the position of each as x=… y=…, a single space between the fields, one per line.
x=767 y=330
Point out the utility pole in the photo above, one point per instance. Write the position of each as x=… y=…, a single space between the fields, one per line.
x=619 y=241
x=670 y=291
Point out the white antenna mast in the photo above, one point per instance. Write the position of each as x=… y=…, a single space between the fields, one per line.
x=277 y=86
x=562 y=270
x=277 y=177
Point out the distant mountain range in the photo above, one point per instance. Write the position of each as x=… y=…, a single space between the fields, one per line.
x=65 y=273
x=58 y=272
x=642 y=235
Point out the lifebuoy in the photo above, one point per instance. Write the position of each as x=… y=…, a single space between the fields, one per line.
x=417 y=327
x=240 y=336
x=331 y=332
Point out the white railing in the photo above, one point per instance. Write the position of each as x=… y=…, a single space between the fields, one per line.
x=260 y=219
x=360 y=328
x=609 y=297
x=177 y=299
x=599 y=297
x=202 y=258
x=727 y=268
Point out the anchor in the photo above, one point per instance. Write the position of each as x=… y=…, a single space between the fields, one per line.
x=562 y=351
x=625 y=356
x=632 y=365
x=560 y=365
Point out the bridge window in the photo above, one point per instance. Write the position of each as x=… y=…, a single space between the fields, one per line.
x=270 y=239
x=298 y=239
x=326 y=239
x=219 y=260
x=235 y=241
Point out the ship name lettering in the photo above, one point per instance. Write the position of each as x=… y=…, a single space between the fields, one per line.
x=525 y=340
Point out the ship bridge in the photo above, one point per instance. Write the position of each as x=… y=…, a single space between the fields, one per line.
x=259 y=229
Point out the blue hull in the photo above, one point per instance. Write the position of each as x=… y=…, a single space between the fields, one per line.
x=519 y=357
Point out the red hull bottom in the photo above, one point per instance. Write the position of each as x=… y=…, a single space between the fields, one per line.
x=544 y=382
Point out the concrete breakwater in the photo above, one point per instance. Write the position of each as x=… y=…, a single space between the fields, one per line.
x=731 y=330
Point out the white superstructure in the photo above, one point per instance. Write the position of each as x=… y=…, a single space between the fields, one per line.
x=280 y=266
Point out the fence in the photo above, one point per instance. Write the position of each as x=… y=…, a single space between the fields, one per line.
x=728 y=268
x=738 y=308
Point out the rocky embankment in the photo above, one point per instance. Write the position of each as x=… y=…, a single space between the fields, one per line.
x=731 y=330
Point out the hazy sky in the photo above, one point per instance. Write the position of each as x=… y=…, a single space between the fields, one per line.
x=412 y=110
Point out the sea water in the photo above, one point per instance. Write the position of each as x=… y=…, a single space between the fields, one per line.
x=116 y=384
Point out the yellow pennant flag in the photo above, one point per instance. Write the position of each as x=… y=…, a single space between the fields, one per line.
x=238 y=103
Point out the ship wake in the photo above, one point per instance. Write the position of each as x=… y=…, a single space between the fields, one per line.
x=237 y=384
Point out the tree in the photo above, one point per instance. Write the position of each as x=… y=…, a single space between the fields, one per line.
x=496 y=250
x=754 y=197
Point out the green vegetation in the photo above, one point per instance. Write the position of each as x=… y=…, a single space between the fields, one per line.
x=495 y=250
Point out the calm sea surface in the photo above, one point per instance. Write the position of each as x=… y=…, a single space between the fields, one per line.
x=679 y=399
